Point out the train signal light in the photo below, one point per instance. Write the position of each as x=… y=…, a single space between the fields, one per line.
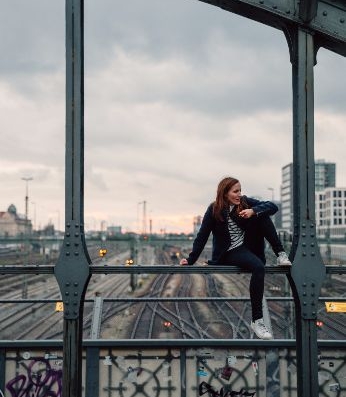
x=129 y=262
x=102 y=252
x=167 y=324
x=319 y=323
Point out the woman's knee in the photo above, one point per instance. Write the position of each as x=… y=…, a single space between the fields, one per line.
x=257 y=264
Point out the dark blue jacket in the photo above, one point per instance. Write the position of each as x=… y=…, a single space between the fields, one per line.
x=253 y=239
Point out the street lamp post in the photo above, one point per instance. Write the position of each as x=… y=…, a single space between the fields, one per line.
x=34 y=224
x=144 y=219
x=26 y=179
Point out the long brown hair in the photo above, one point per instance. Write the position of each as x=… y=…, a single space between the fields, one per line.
x=221 y=201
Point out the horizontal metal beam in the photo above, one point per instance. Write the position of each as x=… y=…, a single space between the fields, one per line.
x=159 y=269
x=178 y=299
x=164 y=343
x=328 y=23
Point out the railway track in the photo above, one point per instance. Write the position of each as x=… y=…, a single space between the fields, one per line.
x=190 y=320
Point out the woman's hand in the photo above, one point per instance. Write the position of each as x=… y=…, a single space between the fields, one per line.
x=184 y=262
x=247 y=213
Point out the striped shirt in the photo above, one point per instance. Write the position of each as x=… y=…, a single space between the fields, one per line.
x=235 y=232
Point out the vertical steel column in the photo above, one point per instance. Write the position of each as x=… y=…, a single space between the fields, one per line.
x=2 y=370
x=308 y=270
x=72 y=269
x=92 y=372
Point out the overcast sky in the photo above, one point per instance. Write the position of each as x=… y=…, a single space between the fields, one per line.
x=178 y=94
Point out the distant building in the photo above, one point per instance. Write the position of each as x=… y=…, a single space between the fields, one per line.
x=324 y=175
x=277 y=217
x=324 y=178
x=113 y=230
x=13 y=224
x=331 y=213
x=287 y=197
x=197 y=221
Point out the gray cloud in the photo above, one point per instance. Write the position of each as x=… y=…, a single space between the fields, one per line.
x=178 y=94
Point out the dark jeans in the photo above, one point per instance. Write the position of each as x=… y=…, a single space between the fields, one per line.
x=258 y=229
x=245 y=259
x=250 y=256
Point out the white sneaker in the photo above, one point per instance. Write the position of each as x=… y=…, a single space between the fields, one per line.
x=283 y=260
x=260 y=329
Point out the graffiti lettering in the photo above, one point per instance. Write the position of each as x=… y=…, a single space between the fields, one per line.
x=40 y=380
x=206 y=388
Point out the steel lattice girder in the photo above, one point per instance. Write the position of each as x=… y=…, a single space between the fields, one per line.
x=325 y=19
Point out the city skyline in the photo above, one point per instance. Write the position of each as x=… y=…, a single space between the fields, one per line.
x=168 y=111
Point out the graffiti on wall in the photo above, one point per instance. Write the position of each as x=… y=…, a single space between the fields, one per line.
x=39 y=378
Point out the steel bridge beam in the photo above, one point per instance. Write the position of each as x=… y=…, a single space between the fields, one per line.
x=72 y=270
x=324 y=19
x=308 y=271
x=157 y=269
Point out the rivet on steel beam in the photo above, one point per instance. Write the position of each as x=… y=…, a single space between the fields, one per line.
x=304 y=244
x=68 y=234
x=312 y=303
x=76 y=225
x=304 y=254
x=67 y=284
x=67 y=293
x=67 y=302
x=261 y=1
x=312 y=285
x=312 y=235
x=313 y=313
x=76 y=244
x=312 y=244
x=303 y=225
x=312 y=253
x=325 y=13
x=275 y=7
x=76 y=253
x=75 y=312
x=304 y=293
x=68 y=244
x=304 y=303
x=75 y=293
x=304 y=284
x=67 y=254
x=312 y=294
x=68 y=225
x=303 y=234
x=76 y=234
x=342 y=20
x=75 y=284
x=75 y=303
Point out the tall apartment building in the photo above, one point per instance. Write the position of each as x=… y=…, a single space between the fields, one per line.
x=324 y=175
x=324 y=178
x=286 y=195
x=331 y=212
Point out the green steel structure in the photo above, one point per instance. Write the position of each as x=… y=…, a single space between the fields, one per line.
x=307 y=25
